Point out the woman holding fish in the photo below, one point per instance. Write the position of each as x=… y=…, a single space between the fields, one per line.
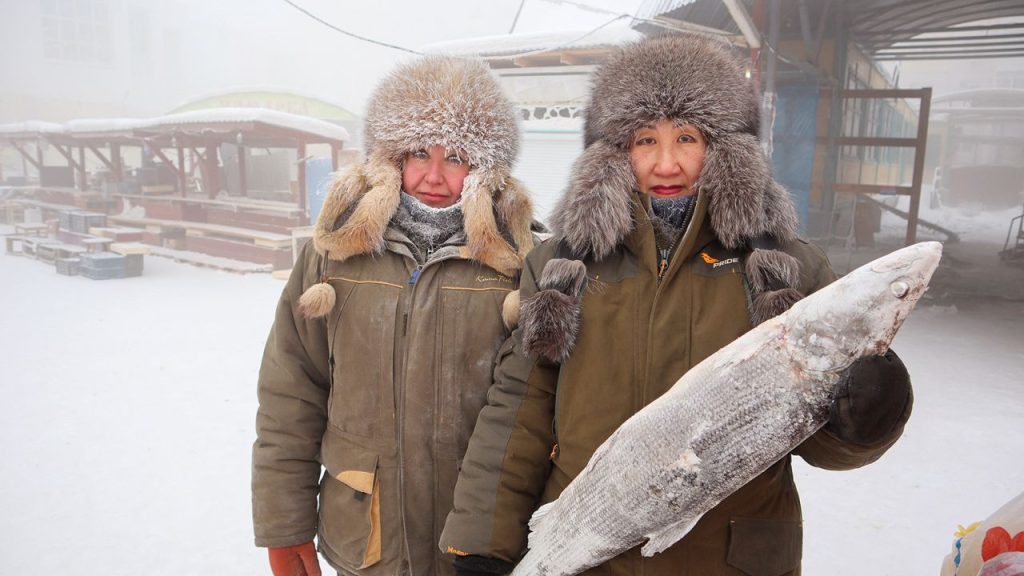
x=671 y=241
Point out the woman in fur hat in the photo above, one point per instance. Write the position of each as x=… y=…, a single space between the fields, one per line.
x=386 y=334
x=671 y=241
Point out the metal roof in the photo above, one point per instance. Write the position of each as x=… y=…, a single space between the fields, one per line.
x=884 y=29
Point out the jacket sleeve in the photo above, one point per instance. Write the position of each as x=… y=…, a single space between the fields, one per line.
x=293 y=388
x=824 y=449
x=507 y=461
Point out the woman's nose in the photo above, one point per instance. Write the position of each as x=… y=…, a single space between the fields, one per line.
x=666 y=163
x=434 y=174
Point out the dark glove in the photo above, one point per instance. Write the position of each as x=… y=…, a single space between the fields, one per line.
x=299 y=560
x=481 y=566
x=872 y=399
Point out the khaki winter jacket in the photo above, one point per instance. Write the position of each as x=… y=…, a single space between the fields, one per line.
x=383 y=390
x=639 y=334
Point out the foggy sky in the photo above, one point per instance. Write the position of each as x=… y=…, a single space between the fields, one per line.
x=198 y=48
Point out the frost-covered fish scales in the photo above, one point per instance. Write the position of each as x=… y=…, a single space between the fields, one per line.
x=726 y=421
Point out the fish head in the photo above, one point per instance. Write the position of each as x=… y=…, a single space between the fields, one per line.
x=859 y=314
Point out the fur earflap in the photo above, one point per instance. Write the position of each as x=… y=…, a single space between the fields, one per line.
x=594 y=214
x=551 y=317
x=483 y=237
x=317 y=300
x=745 y=203
x=438 y=100
x=369 y=194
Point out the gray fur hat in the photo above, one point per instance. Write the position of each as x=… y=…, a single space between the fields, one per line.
x=439 y=100
x=687 y=79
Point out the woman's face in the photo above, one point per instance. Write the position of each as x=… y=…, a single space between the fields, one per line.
x=667 y=158
x=434 y=176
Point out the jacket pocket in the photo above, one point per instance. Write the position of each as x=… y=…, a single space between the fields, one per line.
x=765 y=547
x=362 y=356
x=470 y=332
x=350 y=524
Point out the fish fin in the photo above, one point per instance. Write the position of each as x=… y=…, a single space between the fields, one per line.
x=536 y=519
x=667 y=536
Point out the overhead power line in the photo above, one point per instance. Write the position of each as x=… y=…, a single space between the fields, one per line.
x=346 y=32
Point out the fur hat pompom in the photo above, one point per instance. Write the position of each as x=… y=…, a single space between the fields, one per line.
x=551 y=323
x=317 y=300
x=510 y=310
x=551 y=317
x=770 y=304
x=772 y=270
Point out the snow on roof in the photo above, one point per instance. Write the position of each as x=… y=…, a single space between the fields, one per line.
x=515 y=44
x=209 y=116
x=94 y=125
x=261 y=115
x=31 y=126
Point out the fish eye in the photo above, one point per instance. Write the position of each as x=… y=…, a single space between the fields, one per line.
x=899 y=289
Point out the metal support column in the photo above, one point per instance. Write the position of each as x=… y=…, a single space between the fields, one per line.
x=835 y=120
x=768 y=97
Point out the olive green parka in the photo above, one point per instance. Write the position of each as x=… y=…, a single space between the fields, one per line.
x=380 y=356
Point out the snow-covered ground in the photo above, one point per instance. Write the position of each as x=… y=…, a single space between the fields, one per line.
x=128 y=410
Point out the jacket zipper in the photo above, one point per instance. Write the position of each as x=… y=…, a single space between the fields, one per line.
x=663 y=261
x=400 y=397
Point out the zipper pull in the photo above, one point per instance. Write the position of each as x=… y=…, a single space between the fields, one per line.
x=663 y=265
x=415 y=276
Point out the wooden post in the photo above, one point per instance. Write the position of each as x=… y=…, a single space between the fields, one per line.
x=922 y=141
x=82 y=174
x=335 y=157
x=211 y=174
x=243 y=183
x=118 y=167
x=40 y=161
x=182 y=176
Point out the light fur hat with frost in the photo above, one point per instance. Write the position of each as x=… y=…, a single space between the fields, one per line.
x=451 y=102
